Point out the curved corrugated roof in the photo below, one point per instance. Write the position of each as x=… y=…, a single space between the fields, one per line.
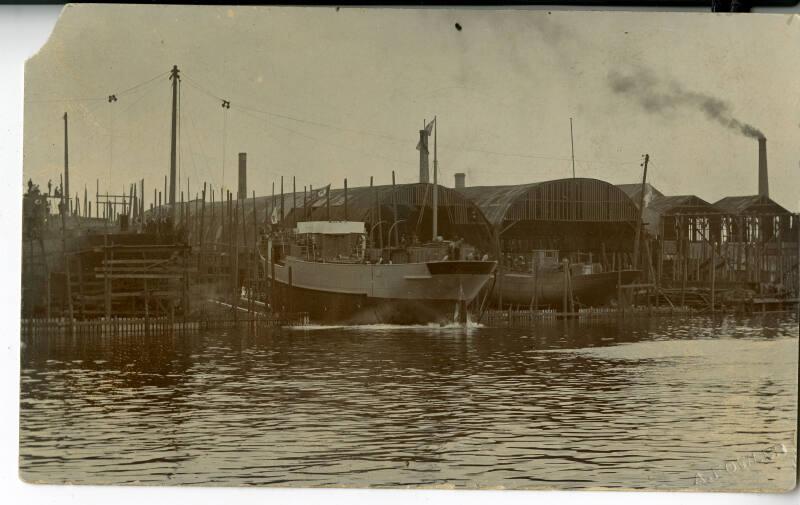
x=494 y=201
x=575 y=199
x=454 y=208
x=361 y=202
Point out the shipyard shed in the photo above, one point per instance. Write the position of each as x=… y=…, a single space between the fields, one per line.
x=682 y=229
x=397 y=214
x=650 y=217
x=756 y=218
x=573 y=216
x=634 y=191
x=683 y=217
x=457 y=216
x=759 y=241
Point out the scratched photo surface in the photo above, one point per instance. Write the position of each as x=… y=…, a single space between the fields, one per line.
x=247 y=260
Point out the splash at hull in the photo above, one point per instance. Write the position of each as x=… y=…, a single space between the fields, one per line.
x=414 y=293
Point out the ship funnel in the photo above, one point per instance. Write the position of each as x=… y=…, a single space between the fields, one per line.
x=242 y=194
x=424 y=166
x=763 y=177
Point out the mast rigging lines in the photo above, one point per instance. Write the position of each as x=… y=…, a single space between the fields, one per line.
x=391 y=138
x=144 y=88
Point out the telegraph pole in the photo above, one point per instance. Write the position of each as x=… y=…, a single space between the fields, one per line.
x=637 y=240
x=174 y=77
x=435 y=182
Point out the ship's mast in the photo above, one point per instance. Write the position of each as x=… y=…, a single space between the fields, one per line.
x=572 y=147
x=435 y=188
x=65 y=192
x=174 y=75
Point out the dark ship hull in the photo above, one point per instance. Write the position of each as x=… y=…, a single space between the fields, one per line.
x=411 y=293
x=592 y=289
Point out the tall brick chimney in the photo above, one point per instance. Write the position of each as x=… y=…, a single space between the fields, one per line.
x=242 y=193
x=461 y=180
x=763 y=177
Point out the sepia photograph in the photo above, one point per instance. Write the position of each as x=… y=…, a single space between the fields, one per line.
x=465 y=248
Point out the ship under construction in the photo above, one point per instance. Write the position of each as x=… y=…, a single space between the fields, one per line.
x=406 y=253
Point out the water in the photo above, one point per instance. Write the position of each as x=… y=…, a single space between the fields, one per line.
x=658 y=403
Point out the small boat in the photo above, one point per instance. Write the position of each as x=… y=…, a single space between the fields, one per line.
x=541 y=282
x=326 y=268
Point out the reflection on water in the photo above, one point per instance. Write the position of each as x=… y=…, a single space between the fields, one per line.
x=644 y=403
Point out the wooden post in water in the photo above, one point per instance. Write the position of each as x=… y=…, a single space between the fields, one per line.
x=65 y=189
x=345 y=198
x=565 y=286
x=166 y=196
x=294 y=202
x=394 y=211
x=70 y=313
x=146 y=309
x=660 y=271
x=684 y=262
x=240 y=203
x=201 y=236
x=535 y=302
x=683 y=282
x=500 y=266
x=235 y=238
x=650 y=274
x=107 y=271
x=289 y=294
x=305 y=203
x=713 y=277
x=378 y=209
x=182 y=215
x=272 y=282
x=254 y=275
x=80 y=285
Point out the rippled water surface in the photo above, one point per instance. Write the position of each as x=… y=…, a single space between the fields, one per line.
x=646 y=403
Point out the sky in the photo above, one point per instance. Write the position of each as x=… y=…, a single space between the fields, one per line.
x=323 y=94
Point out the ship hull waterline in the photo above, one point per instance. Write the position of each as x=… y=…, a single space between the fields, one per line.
x=595 y=289
x=412 y=293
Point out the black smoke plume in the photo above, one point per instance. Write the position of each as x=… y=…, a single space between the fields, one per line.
x=659 y=97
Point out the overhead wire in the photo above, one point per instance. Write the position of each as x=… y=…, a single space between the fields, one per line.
x=145 y=87
x=392 y=138
x=142 y=84
x=200 y=140
x=332 y=144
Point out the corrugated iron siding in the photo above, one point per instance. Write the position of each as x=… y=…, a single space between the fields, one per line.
x=361 y=202
x=360 y=207
x=589 y=200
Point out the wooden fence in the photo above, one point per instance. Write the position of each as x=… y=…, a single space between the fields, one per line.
x=522 y=317
x=59 y=327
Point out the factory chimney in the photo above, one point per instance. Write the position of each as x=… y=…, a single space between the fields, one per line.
x=763 y=177
x=242 y=194
x=461 y=180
